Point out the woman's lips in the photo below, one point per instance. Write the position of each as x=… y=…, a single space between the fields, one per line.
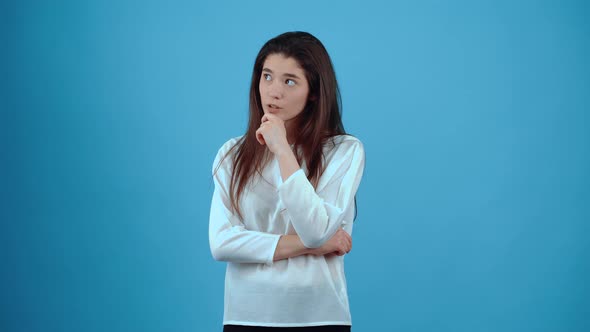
x=273 y=107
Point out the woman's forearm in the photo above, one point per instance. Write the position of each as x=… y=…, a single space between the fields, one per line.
x=290 y=246
x=287 y=163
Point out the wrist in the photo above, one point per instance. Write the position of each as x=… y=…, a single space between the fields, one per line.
x=284 y=151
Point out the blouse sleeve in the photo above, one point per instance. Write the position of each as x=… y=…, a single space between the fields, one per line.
x=316 y=216
x=229 y=240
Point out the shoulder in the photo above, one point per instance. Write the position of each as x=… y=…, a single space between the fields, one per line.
x=226 y=151
x=344 y=145
x=344 y=154
x=346 y=139
x=229 y=144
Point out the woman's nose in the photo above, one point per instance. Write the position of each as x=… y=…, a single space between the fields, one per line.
x=275 y=90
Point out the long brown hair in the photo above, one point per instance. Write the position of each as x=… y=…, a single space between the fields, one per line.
x=319 y=121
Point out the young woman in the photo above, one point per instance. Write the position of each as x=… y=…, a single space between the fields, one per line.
x=284 y=199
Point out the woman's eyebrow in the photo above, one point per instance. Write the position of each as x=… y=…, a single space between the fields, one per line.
x=285 y=74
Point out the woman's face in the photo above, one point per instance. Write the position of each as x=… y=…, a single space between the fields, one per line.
x=283 y=87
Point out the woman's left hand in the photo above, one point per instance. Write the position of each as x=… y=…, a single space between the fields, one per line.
x=273 y=133
x=339 y=244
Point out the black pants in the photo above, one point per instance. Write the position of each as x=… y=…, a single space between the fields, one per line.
x=324 y=328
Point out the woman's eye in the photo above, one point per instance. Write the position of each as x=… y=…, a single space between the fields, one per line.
x=266 y=77
x=290 y=82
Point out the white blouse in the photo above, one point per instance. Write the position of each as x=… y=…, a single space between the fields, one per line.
x=306 y=290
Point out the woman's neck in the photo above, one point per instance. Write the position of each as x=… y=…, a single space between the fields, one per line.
x=290 y=126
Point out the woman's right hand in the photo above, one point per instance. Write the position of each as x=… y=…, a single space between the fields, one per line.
x=339 y=244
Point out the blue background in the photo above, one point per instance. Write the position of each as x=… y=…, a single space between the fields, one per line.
x=473 y=210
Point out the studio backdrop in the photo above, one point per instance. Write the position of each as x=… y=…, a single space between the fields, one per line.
x=473 y=209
